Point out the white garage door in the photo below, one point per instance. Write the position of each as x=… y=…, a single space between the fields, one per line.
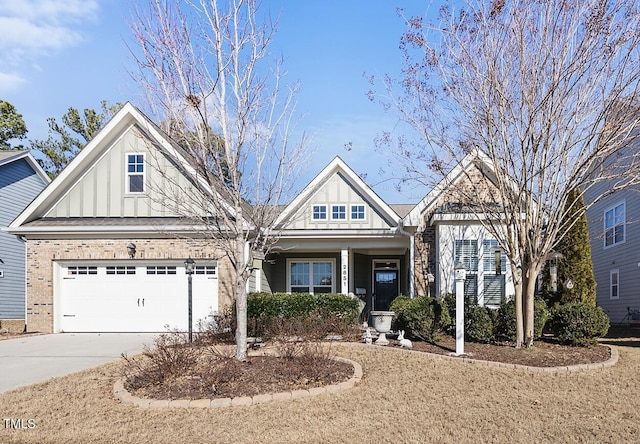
x=132 y=297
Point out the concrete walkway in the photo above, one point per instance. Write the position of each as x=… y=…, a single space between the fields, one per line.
x=33 y=359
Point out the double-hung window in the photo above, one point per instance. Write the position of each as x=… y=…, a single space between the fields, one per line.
x=614 y=222
x=311 y=276
x=135 y=173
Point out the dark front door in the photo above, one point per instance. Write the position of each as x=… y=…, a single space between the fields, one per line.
x=385 y=288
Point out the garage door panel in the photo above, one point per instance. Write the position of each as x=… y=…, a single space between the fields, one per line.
x=133 y=298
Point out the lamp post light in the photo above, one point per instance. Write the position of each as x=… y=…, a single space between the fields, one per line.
x=460 y=275
x=189 y=266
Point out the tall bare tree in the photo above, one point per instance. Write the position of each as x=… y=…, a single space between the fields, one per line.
x=205 y=68
x=548 y=90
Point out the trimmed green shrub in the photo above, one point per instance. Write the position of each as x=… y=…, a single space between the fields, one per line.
x=300 y=314
x=479 y=324
x=579 y=324
x=422 y=317
x=506 y=320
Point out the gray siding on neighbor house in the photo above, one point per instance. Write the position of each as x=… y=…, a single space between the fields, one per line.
x=19 y=185
x=622 y=257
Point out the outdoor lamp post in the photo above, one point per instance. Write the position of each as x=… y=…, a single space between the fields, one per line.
x=189 y=266
x=460 y=275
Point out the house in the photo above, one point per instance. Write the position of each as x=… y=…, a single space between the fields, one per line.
x=21 y=179
x=337 y=235
x=613 y=230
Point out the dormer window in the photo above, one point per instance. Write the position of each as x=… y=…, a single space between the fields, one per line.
x=135 y=173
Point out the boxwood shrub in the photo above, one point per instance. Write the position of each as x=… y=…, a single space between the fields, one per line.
x=479 y=323
x=579 y=324
x=300 y=314
x=506 y=320
x=422 y=317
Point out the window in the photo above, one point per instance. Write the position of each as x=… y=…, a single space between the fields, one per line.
x=206 y=269
x=357 y=212
x=121 y=270
x=614 y=284
x=311 y=276
x=135 y=173
x=489 y=258
x=466 y=251
x=319 y=212
x=614 y=219
x=339 y=212
x=161 y=269
x=82 y=270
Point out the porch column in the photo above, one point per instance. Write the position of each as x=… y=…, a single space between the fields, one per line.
x=344 y=271
x=412 y=265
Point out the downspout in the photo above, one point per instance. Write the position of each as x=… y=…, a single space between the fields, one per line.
x=401 y=230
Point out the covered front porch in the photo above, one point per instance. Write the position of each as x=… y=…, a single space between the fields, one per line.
x=376 y=270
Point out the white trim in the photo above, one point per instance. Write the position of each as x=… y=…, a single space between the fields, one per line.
x=615 y=271
x=310 y=261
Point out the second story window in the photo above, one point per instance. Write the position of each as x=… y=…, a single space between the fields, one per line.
x=135 y=173
x=614 y=220
x=357 y=212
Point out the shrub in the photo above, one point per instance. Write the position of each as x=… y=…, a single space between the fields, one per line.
x=479 y=324
x=506 y=320
x=423 y=317
x=300 y=314
x=579 y=324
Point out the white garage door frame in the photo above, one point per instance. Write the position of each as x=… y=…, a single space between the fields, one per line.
x=130 y=295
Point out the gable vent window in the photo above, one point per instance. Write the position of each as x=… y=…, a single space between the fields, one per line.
x=135 y=173
x=338 y=212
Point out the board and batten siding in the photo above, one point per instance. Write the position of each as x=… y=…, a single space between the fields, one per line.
x=623 y=257
x=101 y=192
x=336 y=191
x=19 y=185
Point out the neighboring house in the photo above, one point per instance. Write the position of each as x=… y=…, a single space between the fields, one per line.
x=21 y=180
x=337 y=235
x=614 y=229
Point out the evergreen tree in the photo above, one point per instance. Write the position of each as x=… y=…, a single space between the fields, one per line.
x=576 y=281
x=67 y=139
x=12 y=126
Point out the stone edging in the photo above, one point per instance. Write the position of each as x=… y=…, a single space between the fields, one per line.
x=613 y=360
x=127 y=398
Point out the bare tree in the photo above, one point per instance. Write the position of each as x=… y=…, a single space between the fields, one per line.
x=545 y=91
x=206 y=71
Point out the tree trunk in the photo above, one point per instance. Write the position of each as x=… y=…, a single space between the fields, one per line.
x=241 y=302
x=529 y=291
x=518 y=307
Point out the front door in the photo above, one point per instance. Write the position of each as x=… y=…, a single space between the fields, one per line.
x=385 y=288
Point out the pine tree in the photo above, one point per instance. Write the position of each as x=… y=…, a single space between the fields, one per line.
x=575 y=264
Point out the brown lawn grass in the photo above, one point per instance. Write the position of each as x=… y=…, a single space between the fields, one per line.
x=403 y=397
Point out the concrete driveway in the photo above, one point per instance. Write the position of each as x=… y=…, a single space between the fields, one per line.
x=28 y=360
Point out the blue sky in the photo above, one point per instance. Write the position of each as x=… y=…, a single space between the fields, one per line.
x=62 y=53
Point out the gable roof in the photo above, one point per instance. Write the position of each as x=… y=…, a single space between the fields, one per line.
x=9 y=156
x=337 y=165
x=124 y=119
x=428 y=203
